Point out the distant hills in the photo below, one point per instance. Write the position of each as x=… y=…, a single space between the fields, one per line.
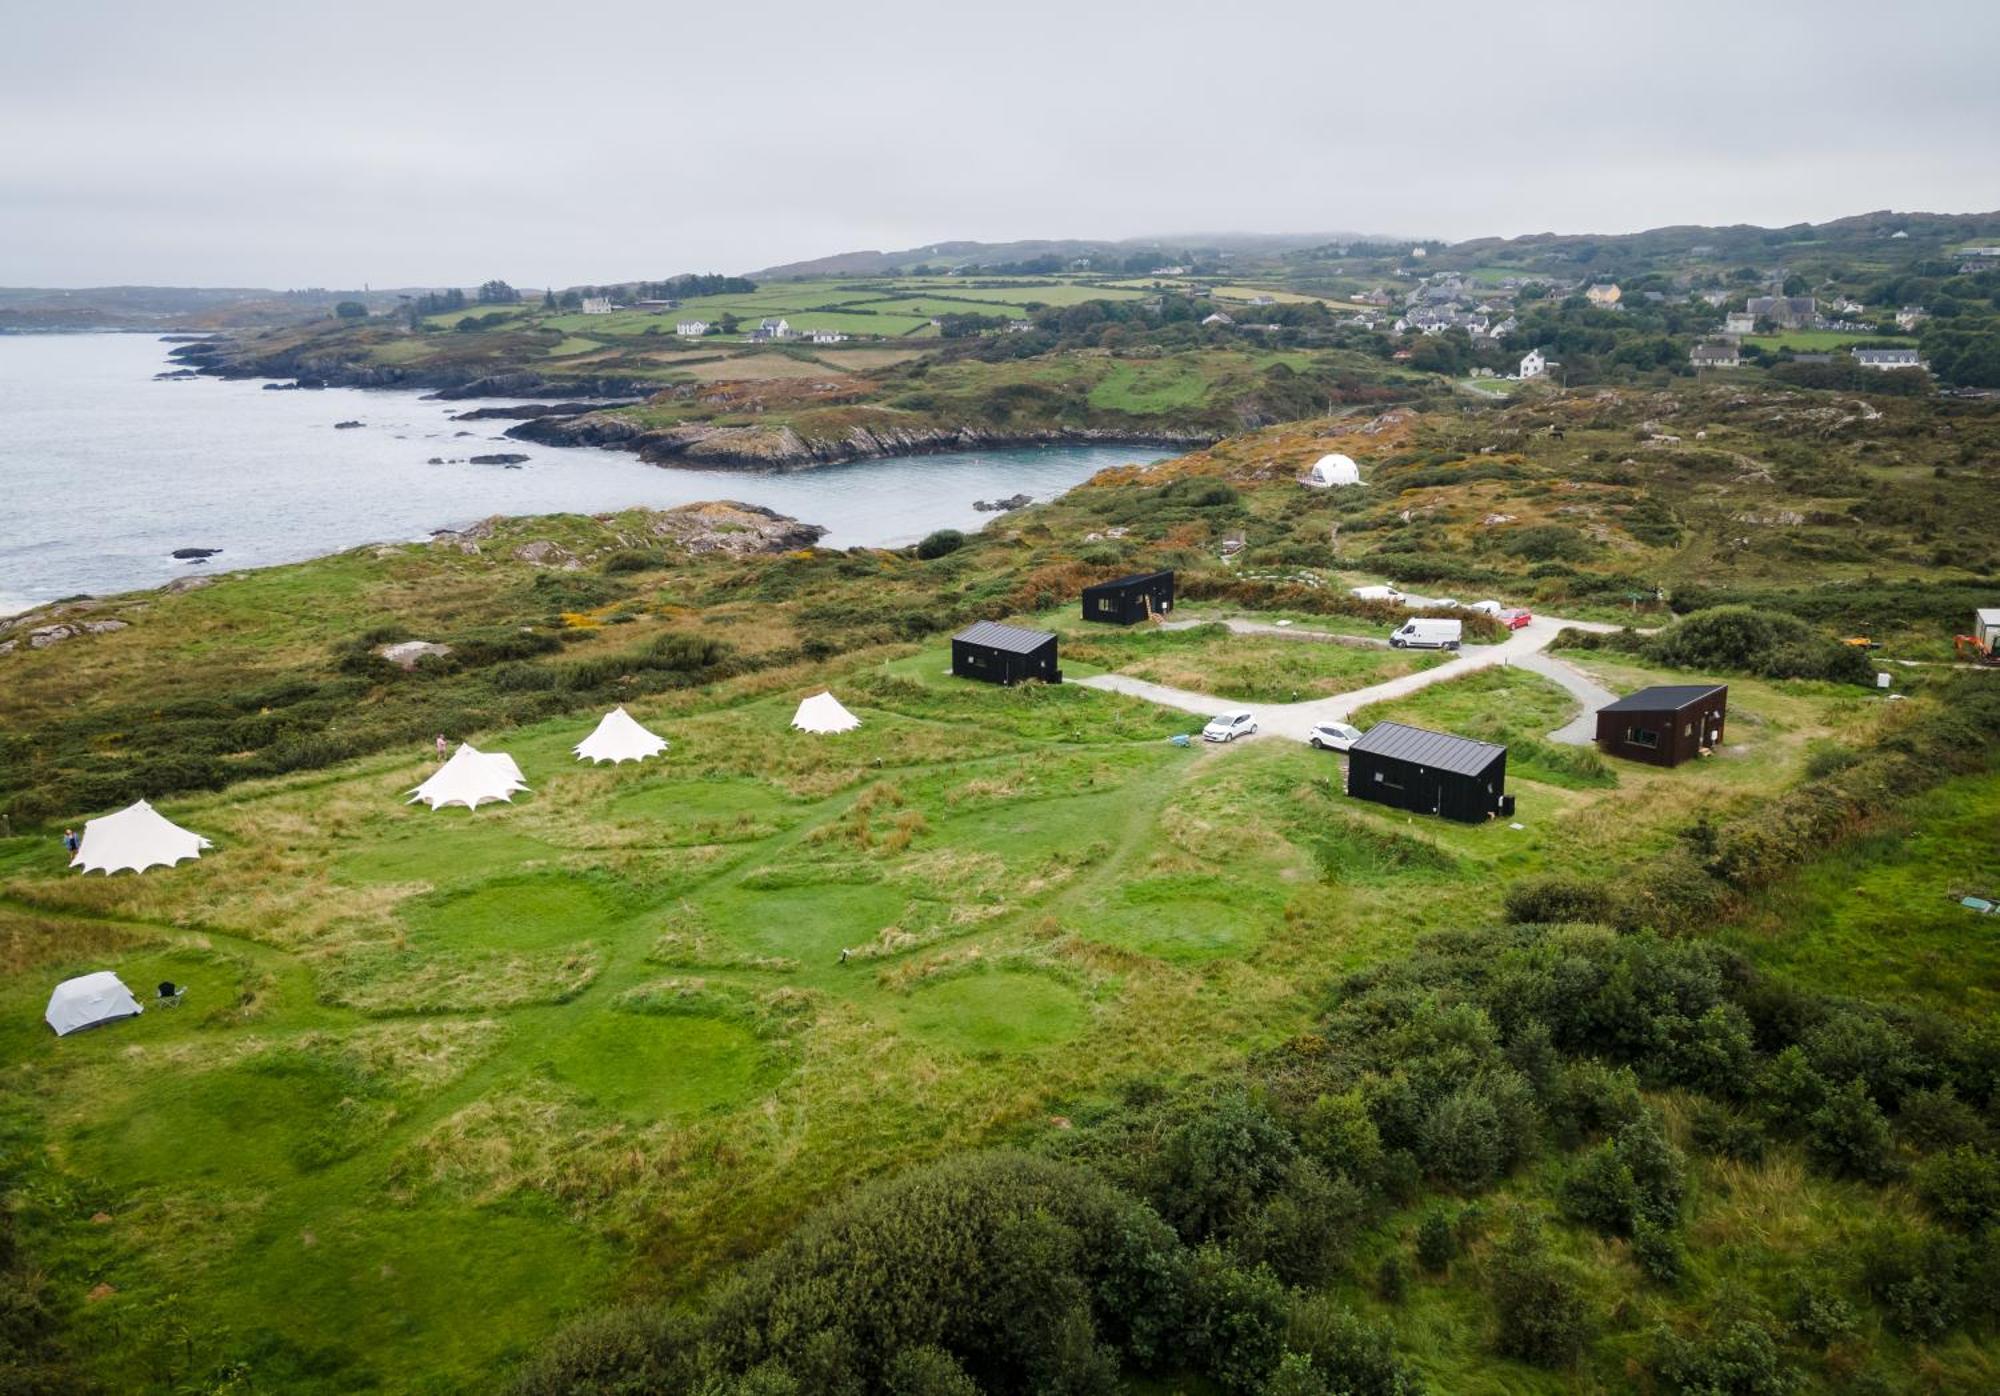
x=1205 y=246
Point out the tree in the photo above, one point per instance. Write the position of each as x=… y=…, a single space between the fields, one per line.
x=498 y=292
x=548 y=300
x=351 y=310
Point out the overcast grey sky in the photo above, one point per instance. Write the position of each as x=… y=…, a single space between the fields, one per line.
x=215 y=142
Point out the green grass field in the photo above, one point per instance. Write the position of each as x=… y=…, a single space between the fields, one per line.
x=1822 y=340
x=440 y=1077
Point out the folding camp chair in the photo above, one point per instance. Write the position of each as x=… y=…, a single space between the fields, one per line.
x=171 y=993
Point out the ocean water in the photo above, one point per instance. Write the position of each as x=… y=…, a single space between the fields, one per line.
x=104 y=472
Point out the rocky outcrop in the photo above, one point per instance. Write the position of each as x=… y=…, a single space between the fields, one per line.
x=719 y=526
x=700 y=444
x=345 y=426
x=1003 y=506
x=194 y=554
x=230 y=358
x=498 y=458
x=529 y=410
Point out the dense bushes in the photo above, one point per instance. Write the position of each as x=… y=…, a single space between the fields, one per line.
x=940 y=543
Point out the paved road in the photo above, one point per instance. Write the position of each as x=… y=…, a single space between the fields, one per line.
x=1296 y=720
x=1580 y=730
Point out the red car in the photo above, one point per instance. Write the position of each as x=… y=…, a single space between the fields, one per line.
x=1515 y=619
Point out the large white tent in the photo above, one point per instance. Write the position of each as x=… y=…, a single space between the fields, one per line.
x=1332 y=470
x=619 y=737
x=137 y=837
x=823 y=713
x=471 y=778
x=88 y=1000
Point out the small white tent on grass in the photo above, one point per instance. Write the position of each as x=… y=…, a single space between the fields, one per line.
x=471 y=778
x=1332 y=470
x=823 y=713
x=139 y=837
x=619 y=737
x=89 y=1000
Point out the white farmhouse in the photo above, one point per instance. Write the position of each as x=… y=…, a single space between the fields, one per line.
x=1533 y=365
x=597 y=305
x=691 y=329
x=1739 y=322
x=1911 y=316
x=828 y=337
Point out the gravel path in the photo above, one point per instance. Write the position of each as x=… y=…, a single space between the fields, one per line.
x=1296 y=720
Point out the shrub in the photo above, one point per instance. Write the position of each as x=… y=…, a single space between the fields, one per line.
x=1850 y=1136
x=926 y=1371
x=1757 y=640
x=1538 y=1300
x=1306 y=1228
x=1636 y=1177
x=1938 y=1119
x=1557 y=899
x=1961 y=1187
x=1658 y=1252
x=942 y=543
x=620 y=1352
x=1218 y=1165
x=1818 y=1314
x=1235 y=1323
x=1347 y=1352
x=1918 y=1280
x=1724 y=1133
x=1740 y=1360
x=1392 y=1284
x=631 y=560
x=1437 y=1241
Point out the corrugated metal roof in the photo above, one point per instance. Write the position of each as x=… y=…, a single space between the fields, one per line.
x=1013 y=639
x=1663 y=698
x=1132 y=580
x=1466 y=756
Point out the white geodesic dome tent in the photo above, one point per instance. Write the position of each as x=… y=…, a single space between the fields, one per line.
x=137 y=837
x=823 y=713
x=1333 y=470
x=619 y=737
x=471 y=778
x=88 y=1000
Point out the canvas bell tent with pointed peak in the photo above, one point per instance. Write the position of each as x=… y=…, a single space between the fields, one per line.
x=137 y=837
x=471 y=778
x=619 y=737
x=823 y=713
x=88 y=1000
x=1333 y=470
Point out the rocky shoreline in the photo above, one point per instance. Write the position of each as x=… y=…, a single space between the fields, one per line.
x=565 y=421
x=782 y=448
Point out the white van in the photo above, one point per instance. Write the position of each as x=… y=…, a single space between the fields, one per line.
x=1428 y=634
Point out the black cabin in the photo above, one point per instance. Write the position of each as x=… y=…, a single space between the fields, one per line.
x=1664 y=725
x=1004 y=653
x=1130 y=599
x=1429 y=773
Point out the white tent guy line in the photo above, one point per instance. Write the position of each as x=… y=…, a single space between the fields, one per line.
x=137 y=837
x=823 y=713
x=619 y=737
x=471 y=778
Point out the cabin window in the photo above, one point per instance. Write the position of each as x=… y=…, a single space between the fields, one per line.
x=1643 y=736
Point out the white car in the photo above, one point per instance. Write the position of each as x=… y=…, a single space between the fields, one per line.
x=1227 y=727
x=1333 y=736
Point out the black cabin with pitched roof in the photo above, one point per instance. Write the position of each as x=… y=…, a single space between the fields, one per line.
x=1429 y=773
x=1004 y=653
x=1664 y=725
x=1130 y=599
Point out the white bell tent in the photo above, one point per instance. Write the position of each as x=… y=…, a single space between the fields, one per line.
x=823 y=713
x=619 y=737
x=88 y=1000
x=471 y=778
x=1333 y=470
x=138 y=837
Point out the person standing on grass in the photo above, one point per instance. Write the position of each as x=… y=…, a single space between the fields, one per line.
x=443 y=746
x=71 y=842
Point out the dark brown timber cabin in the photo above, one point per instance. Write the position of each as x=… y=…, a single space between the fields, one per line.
x=1664 y=725
x=1004 y=654
x=1130 y=600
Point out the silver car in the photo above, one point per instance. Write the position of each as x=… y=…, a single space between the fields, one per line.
x=1227 y=727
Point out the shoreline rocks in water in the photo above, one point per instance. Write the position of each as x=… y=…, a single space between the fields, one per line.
x=508 y=458
x=194 y=554
x=345 y=426
x=1003 y=506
